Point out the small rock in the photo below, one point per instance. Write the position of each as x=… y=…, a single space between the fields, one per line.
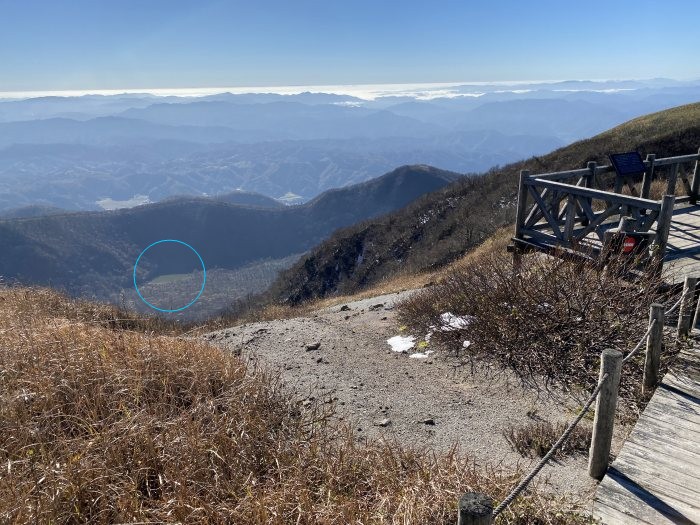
x=383 y=423
x=313 y=346
x=347 y=317
x=376 y=307
x=306 y=402
x=429 y=421
x=319 y=360
x=384 y=318
x=345 y=308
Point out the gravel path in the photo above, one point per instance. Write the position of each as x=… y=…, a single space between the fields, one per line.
x=341 y=354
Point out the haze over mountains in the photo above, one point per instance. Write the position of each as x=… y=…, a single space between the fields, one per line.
x=220 y=172
x=92 y=254
x=444 y=225
x=90 y=152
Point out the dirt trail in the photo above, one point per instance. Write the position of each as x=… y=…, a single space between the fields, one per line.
x=423 y=402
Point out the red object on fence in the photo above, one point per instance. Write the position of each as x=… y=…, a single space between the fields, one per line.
x=628 y=244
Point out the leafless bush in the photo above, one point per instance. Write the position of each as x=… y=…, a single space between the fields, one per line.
x=536 y=438
x=548 y=322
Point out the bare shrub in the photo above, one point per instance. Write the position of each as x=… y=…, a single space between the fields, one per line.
x=548 y=322
x=101 y=425
x=536 y=438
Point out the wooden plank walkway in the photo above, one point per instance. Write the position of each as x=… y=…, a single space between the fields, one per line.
x=683 y=253
x=655 y=478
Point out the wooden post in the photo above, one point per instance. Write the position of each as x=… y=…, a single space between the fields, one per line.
x=695 y=185
x=696 y=318
x=606 y=404
x=522 y=203
x=570 y=220
x=648 y=176
x=520 y=219
x=588 y=182
x=590 y=179
x=663 y=226
x=685 y=312
x=475 y=509
x=654 y=342
x=672 y=180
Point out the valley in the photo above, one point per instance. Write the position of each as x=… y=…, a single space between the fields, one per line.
x=331 y=263
x=92 y=254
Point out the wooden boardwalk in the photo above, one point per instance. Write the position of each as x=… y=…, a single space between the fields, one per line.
x=683 y=249
x=655 y=478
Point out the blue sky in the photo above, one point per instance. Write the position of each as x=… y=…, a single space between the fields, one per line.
x=112 y=44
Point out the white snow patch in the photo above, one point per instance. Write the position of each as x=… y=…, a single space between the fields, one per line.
x=421 y=355
x=451 y=321
x=399 y=343
x=111 y=204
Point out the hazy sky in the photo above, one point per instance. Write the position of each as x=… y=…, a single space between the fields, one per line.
x=103 y=44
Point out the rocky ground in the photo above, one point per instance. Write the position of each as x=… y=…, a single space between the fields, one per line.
x=340 y=355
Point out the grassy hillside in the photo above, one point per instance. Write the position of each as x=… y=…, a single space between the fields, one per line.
x=104 y=425
x=440 y=227
x=92 y=254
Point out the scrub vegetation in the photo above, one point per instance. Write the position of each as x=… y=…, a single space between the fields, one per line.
x=109 y=423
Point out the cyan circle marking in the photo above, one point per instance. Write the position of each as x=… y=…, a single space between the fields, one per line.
x=204 y=278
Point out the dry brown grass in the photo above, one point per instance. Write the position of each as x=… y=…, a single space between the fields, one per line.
x=536 y=438
x=99 y=425
x=42 y=303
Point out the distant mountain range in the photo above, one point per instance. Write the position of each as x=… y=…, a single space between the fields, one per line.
x=77 y=176
x=92 y=254
x=75 y=152
x=440 y=227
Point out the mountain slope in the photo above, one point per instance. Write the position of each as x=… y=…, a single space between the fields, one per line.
x=35 y=210
x=440 y=227
x=243 y=198
x=92 y=254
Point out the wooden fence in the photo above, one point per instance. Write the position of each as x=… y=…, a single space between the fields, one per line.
x=571 y=210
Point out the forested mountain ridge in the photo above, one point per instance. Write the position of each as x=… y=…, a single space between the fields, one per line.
x=442 y=226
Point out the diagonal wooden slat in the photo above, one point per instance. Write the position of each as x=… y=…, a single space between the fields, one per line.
x=553 y=223
x=612 y=210
x=535 y=213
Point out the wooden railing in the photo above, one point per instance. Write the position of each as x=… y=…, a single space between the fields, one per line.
x=572 y=210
